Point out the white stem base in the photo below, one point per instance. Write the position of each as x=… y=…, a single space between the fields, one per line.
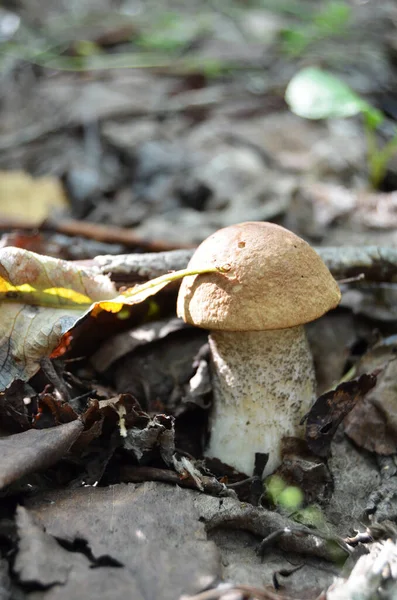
x=263 y=384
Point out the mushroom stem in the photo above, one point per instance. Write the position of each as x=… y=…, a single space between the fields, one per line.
x=263 y=384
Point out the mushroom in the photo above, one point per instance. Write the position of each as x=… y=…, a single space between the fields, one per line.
x=271 y=283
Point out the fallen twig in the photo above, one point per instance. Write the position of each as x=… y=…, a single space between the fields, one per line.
x=107 y=233
x=376 y=263
x=138 y=267
x=139 y=474
x=94 y=231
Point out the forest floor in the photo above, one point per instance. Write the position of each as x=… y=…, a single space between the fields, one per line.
x=129 y=133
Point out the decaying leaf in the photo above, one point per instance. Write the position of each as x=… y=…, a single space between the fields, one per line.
x=37 y=555
x=27 y=452
x=372 y=424
x=330 y=409
x=157 y=435
x=141 y=434
x=59 y=573
x=41 y=299
x=90 y=431
x=51 y=411
x=152 y=531
x=304 y=470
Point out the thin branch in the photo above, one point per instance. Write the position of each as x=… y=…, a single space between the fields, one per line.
x=139 y=474
x=376 y=263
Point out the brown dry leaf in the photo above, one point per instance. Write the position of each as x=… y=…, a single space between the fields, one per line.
x=152 y=531
x=27 y=452
x=43 y=563
x=330 y=409
x=301 y=468
x=372 y=424
x=21 y=194
x=144 y=436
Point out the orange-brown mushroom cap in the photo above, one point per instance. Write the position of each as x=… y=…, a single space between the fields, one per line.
x=276 y=280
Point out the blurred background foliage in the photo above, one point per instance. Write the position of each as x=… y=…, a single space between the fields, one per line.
x=72 y=35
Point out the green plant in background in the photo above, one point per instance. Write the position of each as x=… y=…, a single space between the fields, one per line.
x=316 y=94
x=331 y=20
x=157 y=41
x=170 y=32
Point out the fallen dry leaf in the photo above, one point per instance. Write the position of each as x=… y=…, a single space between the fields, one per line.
x=308 y=472
x=41 y=299
x=33 y=450
x=21 y=194
x=372 y=424
x=44 y=563
x=330 y=409
x=153 y=531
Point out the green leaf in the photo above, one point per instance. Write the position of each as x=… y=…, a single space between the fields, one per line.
x=316 y=94
x=333 y=18
x=295 y=41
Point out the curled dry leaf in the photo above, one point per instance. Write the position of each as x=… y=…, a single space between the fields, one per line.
x=330 y=409
x=301 y=468
x=33 y=450
x=41 y=299
x=372 y=424
x=142 y=435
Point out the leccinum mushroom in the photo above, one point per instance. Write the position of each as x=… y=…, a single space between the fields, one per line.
x=261 y=365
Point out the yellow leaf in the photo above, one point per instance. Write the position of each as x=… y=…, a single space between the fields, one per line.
x=41 y=298
x=24 y=198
